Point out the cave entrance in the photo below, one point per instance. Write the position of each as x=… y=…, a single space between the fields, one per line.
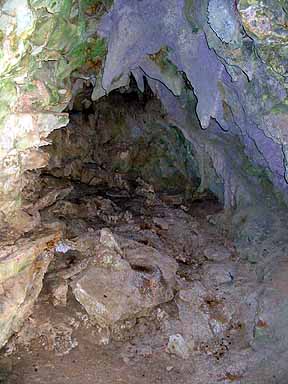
x=122 y=186
x=120 y=138
x=120 y=146
x=140 y=263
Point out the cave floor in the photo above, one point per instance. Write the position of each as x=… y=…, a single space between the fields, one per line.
x=212 y=306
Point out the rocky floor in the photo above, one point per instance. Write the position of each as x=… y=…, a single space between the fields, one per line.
x=143 y=288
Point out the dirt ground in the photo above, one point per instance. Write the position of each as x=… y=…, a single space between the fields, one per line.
x=61 y=344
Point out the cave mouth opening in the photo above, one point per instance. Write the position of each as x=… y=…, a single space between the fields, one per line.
x=120 y=146
x=139 y=255
x=141 y=261
x=156 y=220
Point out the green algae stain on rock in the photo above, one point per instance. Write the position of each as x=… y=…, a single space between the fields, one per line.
x=169 y=71
x=53 y=6
x=267 y=22
x=54 y=43
x=8 y=97
x=50 y=30
x=195 y=12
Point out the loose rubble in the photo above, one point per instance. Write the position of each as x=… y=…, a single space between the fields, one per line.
x=139 y=281
x=164 y=284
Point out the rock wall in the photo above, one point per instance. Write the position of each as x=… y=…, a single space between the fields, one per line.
x=123 y=137
x=42 y=43
x=234 y=59
x=228 y=58
x=219 y=68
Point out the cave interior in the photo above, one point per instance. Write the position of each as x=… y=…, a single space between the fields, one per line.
x=143 y=190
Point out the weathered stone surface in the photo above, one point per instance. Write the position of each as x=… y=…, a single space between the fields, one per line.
x=166 y=286
x=22 y=267
x=218 y=65
x=113 y=150
x=217 y=253
x=220 y=273
x=224 y=93
x=266 y=22
x=55 y=334
x=222 y=17
x=177 y=346
x=36 y=39
x=178 y=39
x=21 y=132
x=119 y=288
x=189 y=39
x=59 y=289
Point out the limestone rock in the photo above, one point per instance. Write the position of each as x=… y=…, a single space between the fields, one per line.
x=220 y=273
x=223 y=20
x=22 y=268
x=177 y=346
x=54 y=334
x=59 y=289
x=107 y=240
x=136 y=283
x=217 y=253
x=195 y=326
x=50 y=198
x=161 y=223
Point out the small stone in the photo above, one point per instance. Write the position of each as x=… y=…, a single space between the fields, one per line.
x=101 y=335
x=172 y=199
x=62 y=247
x=220 y=273
x=217 y=253
x=161 y=223
x=108 y=240
x=169 y=369
x=177 y=346
x=59 y=290
x=211 y=219
x=184 y=208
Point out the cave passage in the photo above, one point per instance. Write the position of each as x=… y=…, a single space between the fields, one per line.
x=120 y=147
x=143 y=192
x=122 y=137
x=145 y=281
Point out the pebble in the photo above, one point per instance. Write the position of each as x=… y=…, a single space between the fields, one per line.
x=177 y=346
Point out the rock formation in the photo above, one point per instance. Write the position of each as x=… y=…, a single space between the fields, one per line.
x=115 y=118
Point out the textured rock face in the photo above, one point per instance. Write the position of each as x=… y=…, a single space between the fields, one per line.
x=161 y=282
x=124 y=137
x=22 y=268
x=42 y=43
x=233 y=86
x=233 y=55
x=219 y=69
x=266 y=22
x=121 y=288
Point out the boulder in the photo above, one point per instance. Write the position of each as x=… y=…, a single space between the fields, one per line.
x=116 y=287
